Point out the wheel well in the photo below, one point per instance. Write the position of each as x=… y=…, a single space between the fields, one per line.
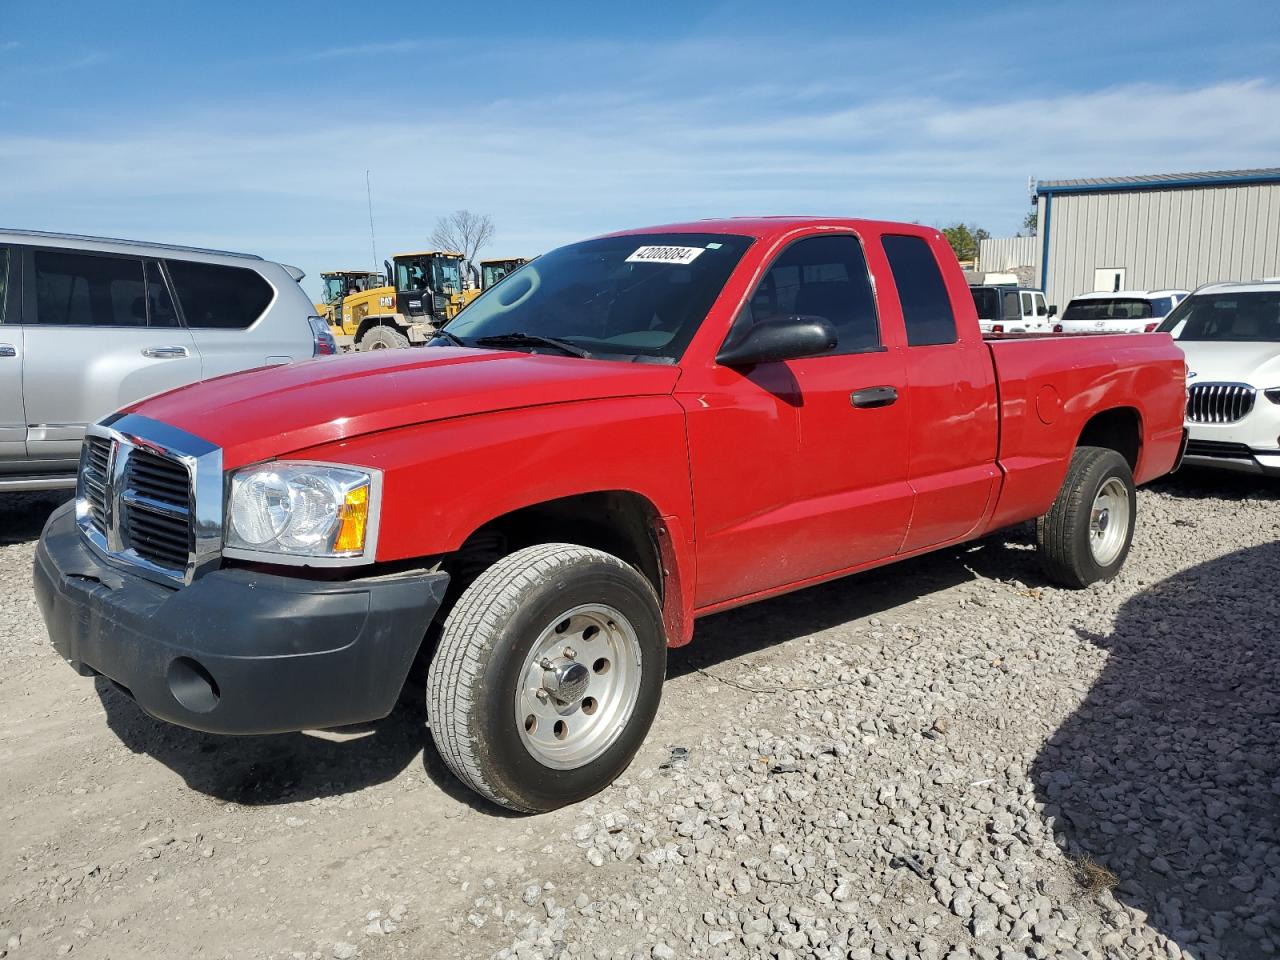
x=615 y=521
x=1119 y=429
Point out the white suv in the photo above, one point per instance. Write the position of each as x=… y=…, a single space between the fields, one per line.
x=1124 y=311
x=1230 y=333
x=89 y=325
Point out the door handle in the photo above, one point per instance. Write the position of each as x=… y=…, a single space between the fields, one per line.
x=165 y=353
x=874 y=397
x=8 y=350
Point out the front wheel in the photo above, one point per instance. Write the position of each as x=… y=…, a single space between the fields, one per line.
x=382 y=337
x=547 y=676
x=1086 y=535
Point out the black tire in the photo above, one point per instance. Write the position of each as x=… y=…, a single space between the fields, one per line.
x=475 y=672
x=382 y=336
x=1063 y=535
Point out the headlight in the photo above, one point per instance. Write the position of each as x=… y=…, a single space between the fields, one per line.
x=303 y=512
x=1273 y=394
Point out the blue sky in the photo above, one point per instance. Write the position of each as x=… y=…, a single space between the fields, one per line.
x=250 y=126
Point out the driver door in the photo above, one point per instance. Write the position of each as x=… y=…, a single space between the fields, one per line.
x=800 y=467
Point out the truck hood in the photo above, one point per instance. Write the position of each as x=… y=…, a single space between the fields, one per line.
x=1257 y=364
x=273 y=411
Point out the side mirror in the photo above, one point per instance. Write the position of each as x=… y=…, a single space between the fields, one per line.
x=1053 y=309
x=787 y=338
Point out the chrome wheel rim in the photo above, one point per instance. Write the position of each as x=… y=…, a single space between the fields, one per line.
x=578 y=686
x=1109 y=521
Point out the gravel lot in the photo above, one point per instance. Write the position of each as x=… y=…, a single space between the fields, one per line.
x=946 y=758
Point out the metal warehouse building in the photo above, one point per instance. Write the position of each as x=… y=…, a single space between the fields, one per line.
x=1157 y=232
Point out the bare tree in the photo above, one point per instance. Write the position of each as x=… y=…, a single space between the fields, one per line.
x=463 y=232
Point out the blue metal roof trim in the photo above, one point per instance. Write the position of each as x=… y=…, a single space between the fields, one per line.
x=1049 y=187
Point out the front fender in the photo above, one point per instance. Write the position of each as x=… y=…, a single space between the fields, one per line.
x=444 y=480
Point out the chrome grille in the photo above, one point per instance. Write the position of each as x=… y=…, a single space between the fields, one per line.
x=150 y=496
x=1220 y=402
x=95 y=473
x=157 y=508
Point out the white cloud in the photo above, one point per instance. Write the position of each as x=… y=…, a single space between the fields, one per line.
x=551 y=169
x=356 y=51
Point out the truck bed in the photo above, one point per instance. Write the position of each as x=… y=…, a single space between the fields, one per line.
x=1049 y=388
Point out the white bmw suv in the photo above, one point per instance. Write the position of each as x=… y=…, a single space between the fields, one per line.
x=1230 y=333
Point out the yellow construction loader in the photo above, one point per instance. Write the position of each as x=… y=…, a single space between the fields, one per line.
x=425 y=291
x=340 y=284
x=491 y=271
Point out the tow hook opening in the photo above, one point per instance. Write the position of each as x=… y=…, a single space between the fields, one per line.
x=192 y=685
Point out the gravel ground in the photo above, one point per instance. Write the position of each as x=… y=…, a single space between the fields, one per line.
x=946 y=758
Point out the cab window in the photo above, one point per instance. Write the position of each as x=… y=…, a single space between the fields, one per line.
x=818 y=277
x=926 y=308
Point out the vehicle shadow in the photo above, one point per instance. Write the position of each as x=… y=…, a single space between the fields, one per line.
x=290 y=767
x=1006 y=555
x=22 y=515
x=296 y=767
x=1166 y=780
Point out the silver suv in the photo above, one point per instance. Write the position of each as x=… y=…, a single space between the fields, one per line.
x=89 y=325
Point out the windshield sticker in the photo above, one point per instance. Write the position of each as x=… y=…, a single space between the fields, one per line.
x=665 y=255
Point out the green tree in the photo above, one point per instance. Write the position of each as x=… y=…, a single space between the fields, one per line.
x=964 y=239
x=1031 y=222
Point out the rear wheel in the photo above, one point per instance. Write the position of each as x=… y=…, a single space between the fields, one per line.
x=547 y=676
x=382 y=337
x=1086 y=535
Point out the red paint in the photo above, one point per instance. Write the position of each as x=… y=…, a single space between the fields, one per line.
x=765 y=480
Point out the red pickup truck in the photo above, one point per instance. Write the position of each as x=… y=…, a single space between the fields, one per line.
x=624 y=435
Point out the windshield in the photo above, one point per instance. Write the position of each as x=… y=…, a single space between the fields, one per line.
x=448 y=275
x=491 y=273
x=1108 y=308
x=335 y=288
x=631 y=296
x=987 y=301
x=411 y=276
x=1245 y=317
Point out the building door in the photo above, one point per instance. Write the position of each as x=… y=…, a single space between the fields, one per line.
x=1108 y=279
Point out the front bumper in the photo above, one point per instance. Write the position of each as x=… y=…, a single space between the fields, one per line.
x=236 y=651
x=1232 y=456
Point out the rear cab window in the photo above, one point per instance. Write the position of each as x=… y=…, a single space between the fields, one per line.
x=217 y=297
x=926 y=307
